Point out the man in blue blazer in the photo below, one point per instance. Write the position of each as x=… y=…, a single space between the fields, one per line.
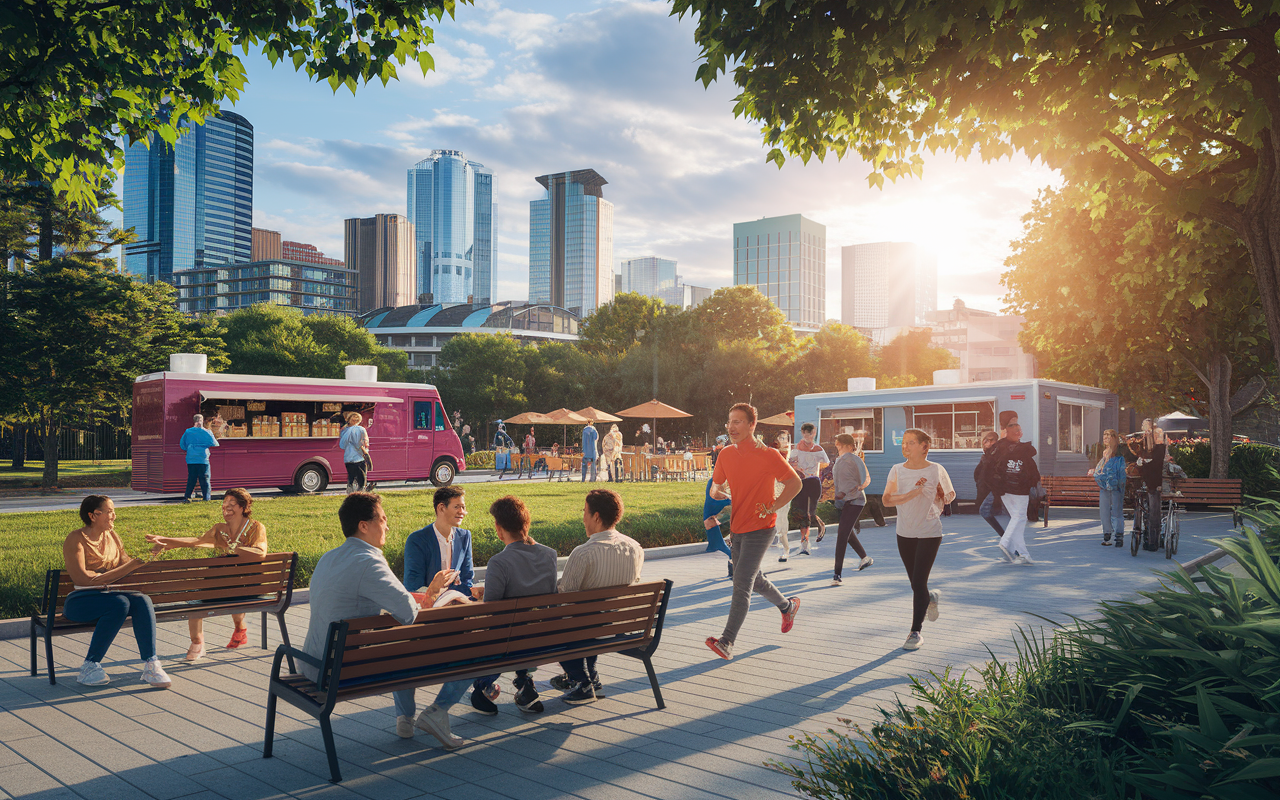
x=441 y=545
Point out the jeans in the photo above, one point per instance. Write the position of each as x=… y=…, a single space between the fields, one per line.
x=197 y=473
x=1013 y=541
x=357 y=476
x=748 y=552
x=846 y=537
x=918 y=556
x=1111 y=509
x=988 y=511
x=591 y=463
x=810 y=492
x=449 y=694
x=484 y=683
x=108 y=609
x=581 y=670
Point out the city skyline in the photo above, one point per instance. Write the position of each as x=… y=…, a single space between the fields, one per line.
x=450 y=201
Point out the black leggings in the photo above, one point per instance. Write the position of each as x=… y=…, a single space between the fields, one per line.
x=917 y=557
x=846 y=536
x=810 y=491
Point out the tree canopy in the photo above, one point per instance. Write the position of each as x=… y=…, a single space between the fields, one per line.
x=267 y=339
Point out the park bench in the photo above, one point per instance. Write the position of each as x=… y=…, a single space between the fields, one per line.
x=376 y=655
x=179 y=590
x=1071 y=491
x=1080 y=492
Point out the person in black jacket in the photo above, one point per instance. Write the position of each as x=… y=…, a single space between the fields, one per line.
x=1150 y=450
x=1018 y=473
x=989 y=506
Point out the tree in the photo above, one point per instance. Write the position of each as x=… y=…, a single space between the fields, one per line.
x=910 y=360
x=1134 y=302
x=348 y=343
x=831 y=356
x=482 y=375
x=620 y=323
x=742 y=312
x=1173 y=104
x=266 y=339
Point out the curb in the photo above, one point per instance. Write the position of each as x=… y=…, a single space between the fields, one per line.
x=1208 y=558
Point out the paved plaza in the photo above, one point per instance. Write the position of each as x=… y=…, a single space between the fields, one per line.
x=723 y=721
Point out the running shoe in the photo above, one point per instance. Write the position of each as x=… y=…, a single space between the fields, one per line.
x=782 y=560
x=195 y=652
x=865 y=562
x=582 y=693
x=154 y=674
x=1024 y=561
x=720 y=647
x=913 y=642
x=935 y=595
x=789 y=616
x=804 y=550
x=562 y=682
x=435 y=721
x=241 y=636
x=527 y=698
x=482 y=703
x=836 y=581
x=1008 y=557
x=1106 y=541
x=404 y=727
x=822 y=529
x=92 y=674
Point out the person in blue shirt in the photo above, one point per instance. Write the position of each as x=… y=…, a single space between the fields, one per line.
x=1110 y=476
x=354 y=442
x=502 y=444
x=196 y=441
x=590 y=452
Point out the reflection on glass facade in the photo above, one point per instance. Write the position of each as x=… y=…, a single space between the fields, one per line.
x=571 y=243
x=786 y=259
x=451 y=205
x=888 y=285
x=191 y=204
x=650 y=276
x=312 y=288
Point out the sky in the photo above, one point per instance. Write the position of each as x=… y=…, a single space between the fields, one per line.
x=530 y=88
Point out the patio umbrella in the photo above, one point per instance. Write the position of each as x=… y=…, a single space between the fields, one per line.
x=596 y=415
x=565 y=417
x=786 y=419
x=655 y=411
x=530 y=418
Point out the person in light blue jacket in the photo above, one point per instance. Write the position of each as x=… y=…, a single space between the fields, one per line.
x=1110 y=477
x=590 y=451
x=196 y=441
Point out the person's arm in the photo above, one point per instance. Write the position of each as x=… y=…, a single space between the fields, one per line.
x=210 y=439
x=719 y=481
x=495 y=581
x=891 y=496
x=162 y=543
x=255 y=545
x=415 y=560
x=865 y=473
x=574 y=573
x=73 y=555
x=791 y=485
x=946 y=492
x=379 y=584
x=466 y=571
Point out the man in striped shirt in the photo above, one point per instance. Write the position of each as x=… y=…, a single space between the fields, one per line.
x=607 y=559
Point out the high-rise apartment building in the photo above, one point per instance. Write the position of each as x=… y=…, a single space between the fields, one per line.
x=650 y=276
x=571 y=243
x=786 y=259
x=986 y=343
x=380 y=250
x=266 y=245
x=307 y=254
x=190 y=204
x=451 y=205
x=888 y=285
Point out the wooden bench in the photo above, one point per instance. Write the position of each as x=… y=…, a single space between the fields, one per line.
x=179 y=590
x=377 y=655
x=1211 y=492
x=1068 y=491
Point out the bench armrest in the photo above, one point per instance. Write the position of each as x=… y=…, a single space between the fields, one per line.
x=292 y=652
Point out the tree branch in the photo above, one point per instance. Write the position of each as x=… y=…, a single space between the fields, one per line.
x=1164 y=179
x=1192 y=44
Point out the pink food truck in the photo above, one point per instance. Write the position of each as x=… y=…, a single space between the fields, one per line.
x=284 y=431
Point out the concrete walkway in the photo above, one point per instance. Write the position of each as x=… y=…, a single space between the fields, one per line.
x=723 y=721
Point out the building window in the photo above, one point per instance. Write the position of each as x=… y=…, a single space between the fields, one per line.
x=852 y=420
x=954 y=426
x=1078 y=428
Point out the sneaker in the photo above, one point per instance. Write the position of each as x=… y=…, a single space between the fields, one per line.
x=1106 y=541
x=822 y=531
x=597 y=686
x=1008 y=557
x=92 y=674
x=1024 y=561
x=582 y=693
x=492 y=691
x=913 y=642
x=404 y=727
x=562 y=683
x=789 y=616
x=935 y=595
x=527 y=698
x=238 y=638
x=720 y=647
x=804 y=550
x=155 y=675
x=482 y=703
x=195 y=652
x=1119 y=541
x=435 y=721
x=836 y=581
x=865 y=562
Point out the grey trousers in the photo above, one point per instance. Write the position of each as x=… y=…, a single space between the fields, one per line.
x=749 y=550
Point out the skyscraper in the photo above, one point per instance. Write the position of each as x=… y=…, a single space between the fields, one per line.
x=887 y=285
x=786 y=259
x=451 y=205
x=649 y=276
x=190 y=204
x=571 y=243
x=380 y=250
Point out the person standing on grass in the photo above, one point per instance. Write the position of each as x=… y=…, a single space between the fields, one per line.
x=590 y=451
x=750 y=472
x=808 y=458
x=354 y=442
x=196 y=441
x=851 y=478
x=984 y=477
x=919 y=488
x=1016 y=474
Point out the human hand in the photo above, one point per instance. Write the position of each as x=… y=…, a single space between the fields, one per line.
x=1089 y=474
x=443 y=579
x=478 y=593
x=920 y=483
x=763 y=510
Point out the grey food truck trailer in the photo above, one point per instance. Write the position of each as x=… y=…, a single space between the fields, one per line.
x=1064 y=421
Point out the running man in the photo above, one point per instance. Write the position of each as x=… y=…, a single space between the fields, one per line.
x=808 y=458
x=750 y=471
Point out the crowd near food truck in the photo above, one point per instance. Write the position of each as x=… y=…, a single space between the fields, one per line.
x=283 y=432
x=1064 y=421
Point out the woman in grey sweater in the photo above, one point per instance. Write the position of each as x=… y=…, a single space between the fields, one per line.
x=850 y=476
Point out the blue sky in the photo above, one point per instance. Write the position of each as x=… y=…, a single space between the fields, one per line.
x=529 y=88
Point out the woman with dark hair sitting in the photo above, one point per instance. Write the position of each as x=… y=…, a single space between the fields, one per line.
x=237 y=536
x=95 y=559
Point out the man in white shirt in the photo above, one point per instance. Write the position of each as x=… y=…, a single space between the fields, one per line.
x=607 y=559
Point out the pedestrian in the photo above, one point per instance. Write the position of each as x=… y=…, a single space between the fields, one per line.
x=711 y=509
x=919 y=488
x=644 y=443
x=808 y=458
x=611 y=450
x=468 y=441
x=196 y=441
x=851 y=478
x=354 y=442
x=530 y=443
x=750 y=471
x=989 y=506
x=1151 y=449
x=1016 y=475
x=502 y=446
x=782 y=533
x=1110 y=477
x=590 y=451
x=873 y=506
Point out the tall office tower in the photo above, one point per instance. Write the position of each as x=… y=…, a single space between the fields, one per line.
x=266 y=245
x=786 y=259
x=649 y=276
x=571 y=243
x=888 y=285
x=451 y=205
x=190 y=204
x=307 y=253
x=380 y=250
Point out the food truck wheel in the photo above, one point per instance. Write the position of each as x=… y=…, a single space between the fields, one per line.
x=442 y=472
x=310 y=479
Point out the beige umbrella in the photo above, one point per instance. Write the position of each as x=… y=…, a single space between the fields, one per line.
x=596 y=415
x=786 y=419
x=565 y=417
x=655 y=411
x=531 y=418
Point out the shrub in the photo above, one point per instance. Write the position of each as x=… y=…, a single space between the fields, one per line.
x=1257 y=465
x=480 y=459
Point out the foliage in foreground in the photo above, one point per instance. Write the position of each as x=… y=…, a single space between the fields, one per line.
x=1173 y=696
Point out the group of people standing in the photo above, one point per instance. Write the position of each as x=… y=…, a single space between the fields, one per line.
x=1146 y=458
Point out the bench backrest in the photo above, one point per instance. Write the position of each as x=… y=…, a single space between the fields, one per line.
x=183 y=580
x=1211 y=491
x=380 y=646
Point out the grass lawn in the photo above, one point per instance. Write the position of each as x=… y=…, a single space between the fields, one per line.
x=70 y=474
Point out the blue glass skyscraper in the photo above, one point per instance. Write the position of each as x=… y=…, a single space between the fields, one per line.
x=191 y=204
x=571 y=243
x=451 y=205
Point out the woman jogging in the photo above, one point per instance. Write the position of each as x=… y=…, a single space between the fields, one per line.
x=920 y=489
x=808 y=459
x=851 y=477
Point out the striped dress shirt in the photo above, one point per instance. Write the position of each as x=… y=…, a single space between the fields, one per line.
x=607 y=559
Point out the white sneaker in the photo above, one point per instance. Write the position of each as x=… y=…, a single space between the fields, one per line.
x=1004 y=551
x=1023 y=561
x=404 y=727
x=865 y=562
x=935 y=595
x=155 y=675
x=91 y=674
x=913 y=641
x=435 y=721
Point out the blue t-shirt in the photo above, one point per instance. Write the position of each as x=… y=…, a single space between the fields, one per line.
x=350 y=440
x=197 y=441
x=589 y=439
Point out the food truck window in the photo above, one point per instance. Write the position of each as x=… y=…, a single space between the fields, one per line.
x=422 y=415
x=1078 y=428
x=852 y=420
x=442 y=422
x=953 y=426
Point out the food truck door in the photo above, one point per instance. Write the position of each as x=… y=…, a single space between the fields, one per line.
x=429 y=422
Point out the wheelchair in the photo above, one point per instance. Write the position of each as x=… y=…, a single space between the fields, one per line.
x=1170 y=515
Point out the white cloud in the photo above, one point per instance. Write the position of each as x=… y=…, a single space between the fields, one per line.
x=458 y=61
x=523 y=30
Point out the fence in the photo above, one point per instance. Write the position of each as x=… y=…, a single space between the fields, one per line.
x=100 y=441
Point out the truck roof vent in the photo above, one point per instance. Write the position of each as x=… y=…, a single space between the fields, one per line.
x=367 y=373
x=197 y=363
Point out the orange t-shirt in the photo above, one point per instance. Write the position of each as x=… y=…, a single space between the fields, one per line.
x=750 y=472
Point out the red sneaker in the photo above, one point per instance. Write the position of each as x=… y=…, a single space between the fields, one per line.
x=241 y=636
x=722 y=649
x=789 y=617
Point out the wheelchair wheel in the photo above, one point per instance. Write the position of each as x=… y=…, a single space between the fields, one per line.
x=1139 y=525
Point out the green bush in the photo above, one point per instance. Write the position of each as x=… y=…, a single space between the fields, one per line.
x=1257 y=465
x=480 y=459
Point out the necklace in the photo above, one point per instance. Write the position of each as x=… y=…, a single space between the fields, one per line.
x=232 y=544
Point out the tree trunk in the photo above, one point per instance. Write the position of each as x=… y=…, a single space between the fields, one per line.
x=50 y=477
x=1219 y=374
x=20 y=446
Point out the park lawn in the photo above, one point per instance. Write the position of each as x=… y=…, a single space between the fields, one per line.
x=655 y=514
x=71 y=474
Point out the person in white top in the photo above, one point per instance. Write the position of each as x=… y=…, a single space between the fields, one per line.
x=782 y=528
x=920 y=489
x=808 y=458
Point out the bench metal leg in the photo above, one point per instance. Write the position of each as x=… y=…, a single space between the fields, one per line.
x=269 y=740
x=326 y=731
x=35 y=663
x=653 y=681
x=48 y=655
x=264 y=630
x=284 y=634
